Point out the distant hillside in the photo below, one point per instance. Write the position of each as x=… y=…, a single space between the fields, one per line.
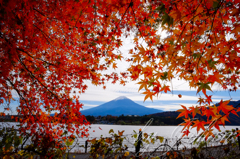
x=234 y=120
x=119 y=106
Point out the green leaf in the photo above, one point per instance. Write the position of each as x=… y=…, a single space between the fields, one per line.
x=212 y=63
x=165 y=18
x=146 y=141
x=17 y=141
x=152 y=140
x=171 y=42
x=151 y=135
x=135 y=135
x=196 y=55
x=170 y=21
x=145 y=22
x=94 y=44
x=151 y=81
x=204 y=86
x=160 y=8
x=195 y=141
x=64 y=133
x=111 y=131
x=69 y=143
x=215 y=4
x=164 y=76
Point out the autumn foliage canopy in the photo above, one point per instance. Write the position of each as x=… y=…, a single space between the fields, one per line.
x=50 y=48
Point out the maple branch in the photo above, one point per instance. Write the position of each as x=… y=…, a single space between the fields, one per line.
x=136 y=21
x=70 y=73
x=43 y=14
x=209 y=33
x=186 y=25
x=80 y=14
x=40 y=12
x=191 y=12
x=33 y=77
x=45 y=35
x=225 y=114
x=35 y=57
x=20 y=95
x=95 y=11
x=11 y=83
x=130 y=4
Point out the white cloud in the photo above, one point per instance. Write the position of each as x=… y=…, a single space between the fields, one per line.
x=169 y=107
x=91 y=105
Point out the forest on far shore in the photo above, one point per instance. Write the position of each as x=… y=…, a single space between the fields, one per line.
x=134 y=120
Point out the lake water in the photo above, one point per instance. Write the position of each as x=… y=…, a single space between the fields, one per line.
x=165 y=131
x=171 y=134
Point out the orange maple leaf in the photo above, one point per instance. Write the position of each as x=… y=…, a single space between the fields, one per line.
x=184 y=112
x=199 y=125
x=143 y=84
x=114 y=65
x=187 y=123
x=210 y=111
x=208 y=133
x=193 y=110
x=223 y=119
x=224 y=107
x=149 y=94
x=165 y=89
x=200 y=100
x=215 y=122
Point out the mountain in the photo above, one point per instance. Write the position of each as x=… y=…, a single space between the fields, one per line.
x=234 y=120
x=119 y=106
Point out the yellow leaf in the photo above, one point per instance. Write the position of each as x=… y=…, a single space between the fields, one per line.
x=21 y=152
x=126 y=153
x=160 y=138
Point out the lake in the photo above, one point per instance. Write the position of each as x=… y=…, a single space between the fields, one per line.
x=165 y=131
x=170 y=133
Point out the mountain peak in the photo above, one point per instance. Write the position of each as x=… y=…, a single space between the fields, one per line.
x=121 y=98
x=119 y=106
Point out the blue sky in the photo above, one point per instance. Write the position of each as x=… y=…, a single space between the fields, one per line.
x=96 y=96
x=166 y=102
